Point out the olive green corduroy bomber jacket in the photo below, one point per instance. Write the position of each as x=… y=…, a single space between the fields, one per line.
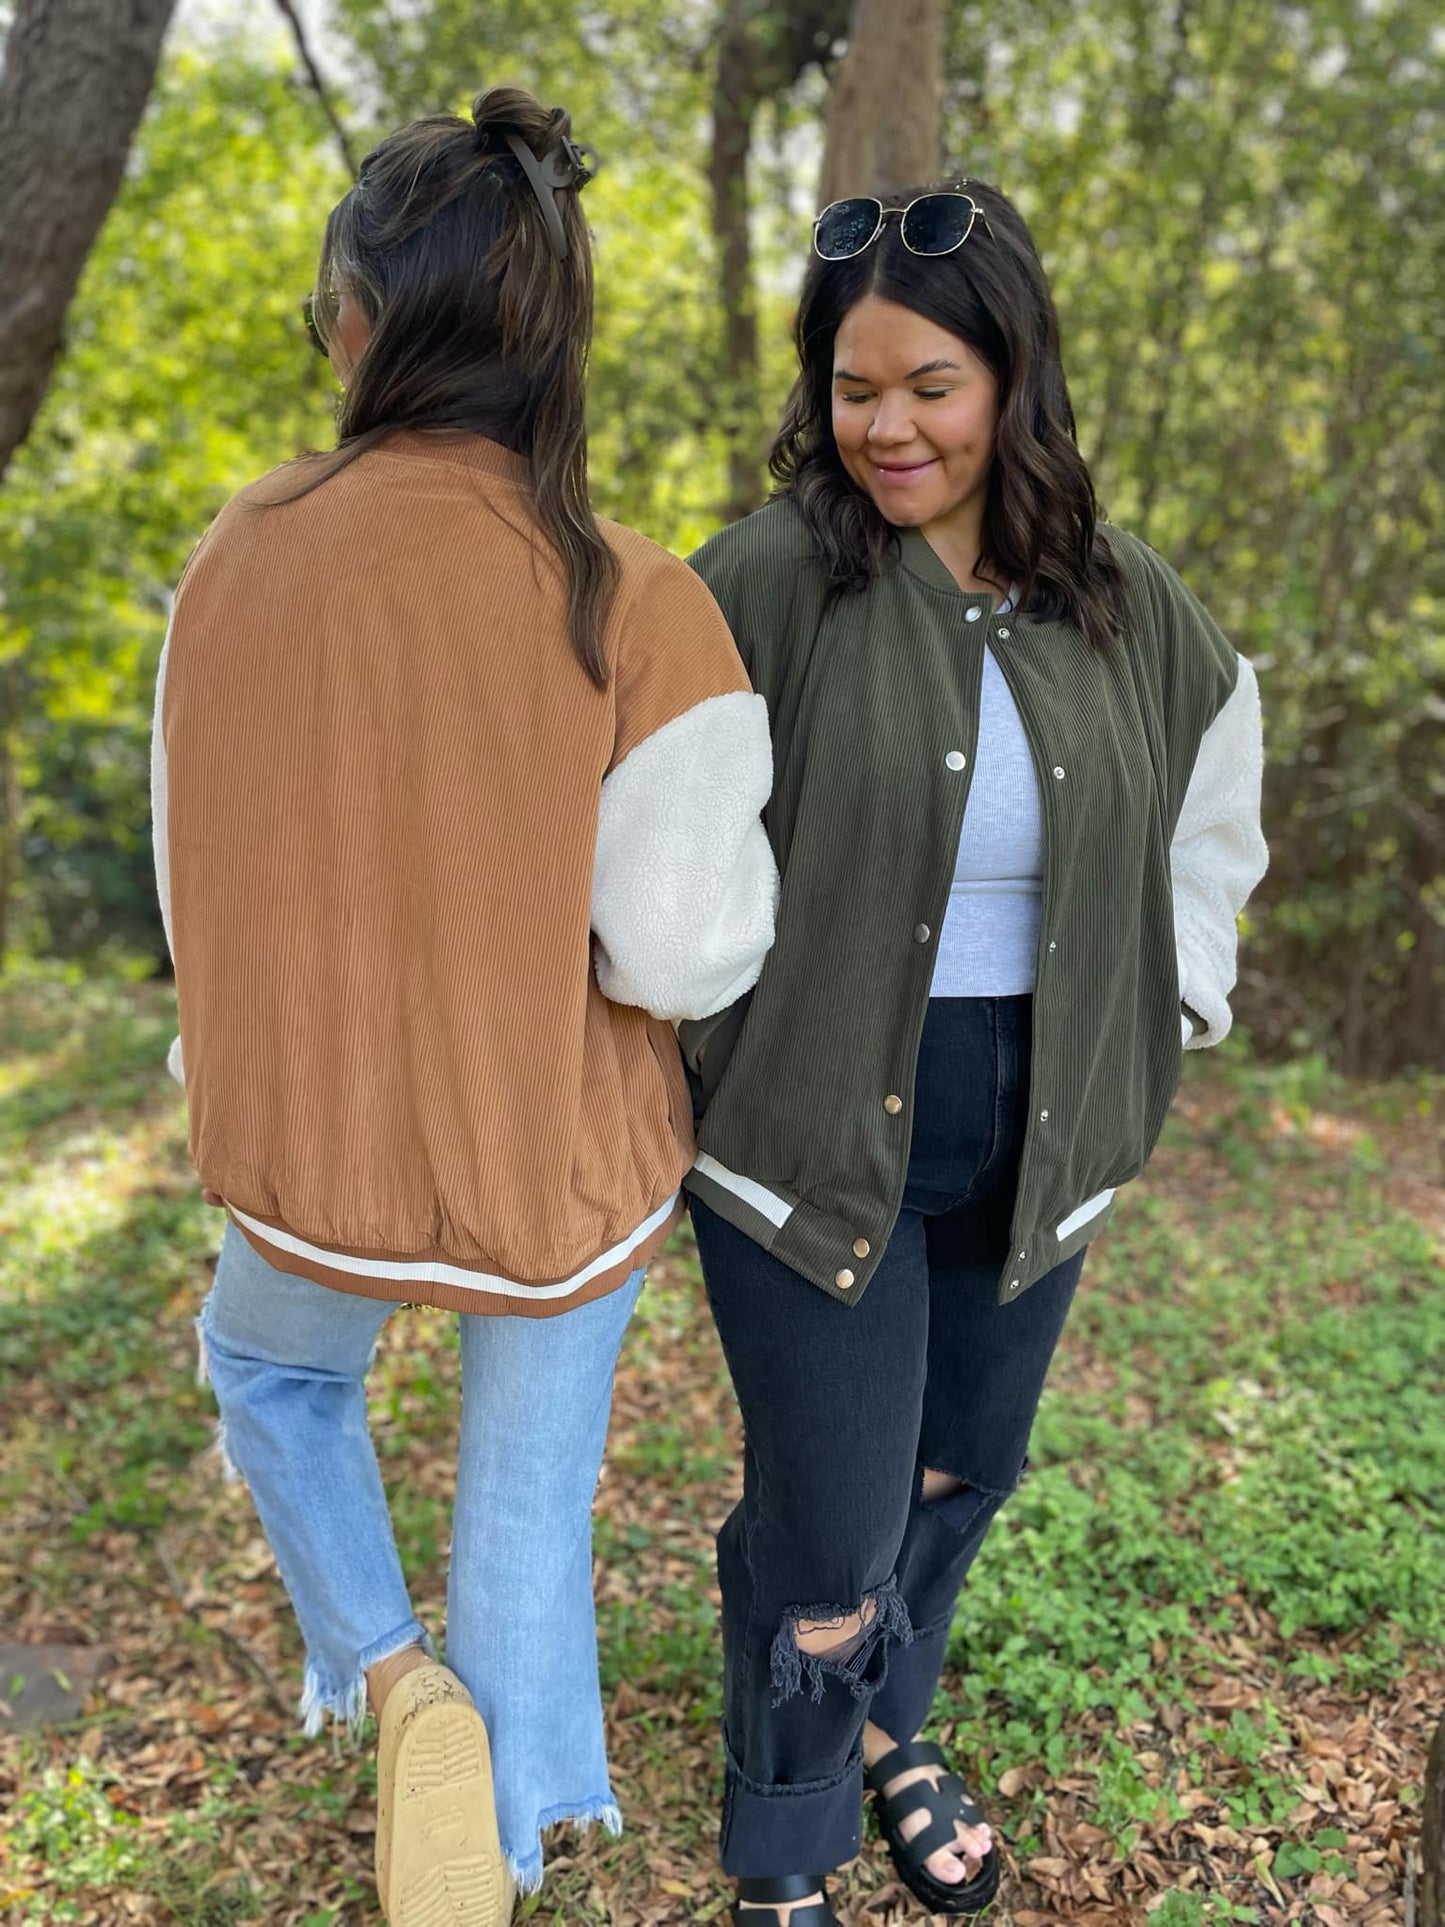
x=1148 y=760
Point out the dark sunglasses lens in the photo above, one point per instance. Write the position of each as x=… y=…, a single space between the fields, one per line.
x=937 y=223
x=308 y=315
x=845 y=228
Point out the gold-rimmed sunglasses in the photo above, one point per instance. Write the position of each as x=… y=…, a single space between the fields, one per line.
x=319 y=313
x=933 y=224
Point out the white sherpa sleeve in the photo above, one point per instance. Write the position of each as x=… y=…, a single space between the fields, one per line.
x=1217 y=857
x=160 y=833
x=684 y=888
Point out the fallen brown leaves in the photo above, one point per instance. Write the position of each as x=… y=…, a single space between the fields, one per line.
x=204 y=1673
x=1350 y=1765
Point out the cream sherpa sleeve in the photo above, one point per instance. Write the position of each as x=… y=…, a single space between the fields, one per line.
x=1217 y=857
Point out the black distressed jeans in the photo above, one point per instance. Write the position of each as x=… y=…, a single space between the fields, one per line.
x=844 y=1408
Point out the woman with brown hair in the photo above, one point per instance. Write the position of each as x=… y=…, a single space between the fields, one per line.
x=1016 y=812
x=456 y=806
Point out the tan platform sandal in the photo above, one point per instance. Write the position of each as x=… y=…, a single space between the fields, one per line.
x=438 y=1858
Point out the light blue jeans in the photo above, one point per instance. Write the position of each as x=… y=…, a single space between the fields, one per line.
x=288 y=1361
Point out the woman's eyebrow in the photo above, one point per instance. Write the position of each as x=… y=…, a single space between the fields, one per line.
x=928 y=368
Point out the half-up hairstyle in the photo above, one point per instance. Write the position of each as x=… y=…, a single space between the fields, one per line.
x=1040 y=514
x=477 y=326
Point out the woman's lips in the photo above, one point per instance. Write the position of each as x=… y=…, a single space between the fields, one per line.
x=902 y=472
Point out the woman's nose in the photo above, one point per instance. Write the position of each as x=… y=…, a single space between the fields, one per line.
x=892 y=424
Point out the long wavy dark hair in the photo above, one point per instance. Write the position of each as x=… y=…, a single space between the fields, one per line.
x=476 y=326
x=1040 y=513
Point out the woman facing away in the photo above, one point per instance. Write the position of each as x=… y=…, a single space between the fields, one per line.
x=1016 y=812
x=456 y=804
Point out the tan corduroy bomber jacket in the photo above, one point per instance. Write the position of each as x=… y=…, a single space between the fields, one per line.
x=432 y=896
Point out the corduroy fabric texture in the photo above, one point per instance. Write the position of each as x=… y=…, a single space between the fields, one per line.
x=384 y=767
x=874 y=700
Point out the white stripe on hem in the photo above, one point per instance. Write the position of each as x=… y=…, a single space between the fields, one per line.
x=763 y=1201
x=431 y=1271
x=1091 y=1208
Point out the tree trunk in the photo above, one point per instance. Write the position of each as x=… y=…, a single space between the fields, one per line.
x=1432 y=1836
x=734 y=104
x=763 y=46
x=75 y=82
x=885 y=113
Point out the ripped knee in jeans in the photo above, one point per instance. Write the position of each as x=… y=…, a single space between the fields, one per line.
x=824 y=1642
x=962 y=1503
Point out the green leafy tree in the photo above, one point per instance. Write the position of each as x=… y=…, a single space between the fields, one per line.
x=1242 y=206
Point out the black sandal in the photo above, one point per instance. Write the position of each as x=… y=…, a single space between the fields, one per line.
x=776 y=1890
x=947 y=1805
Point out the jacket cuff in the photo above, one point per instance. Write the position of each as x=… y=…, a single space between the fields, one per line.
x=1205 y=1016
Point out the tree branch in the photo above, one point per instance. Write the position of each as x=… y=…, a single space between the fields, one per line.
x=318 y=85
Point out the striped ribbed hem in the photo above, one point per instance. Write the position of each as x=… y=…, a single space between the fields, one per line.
x=450 y=1286
x=754 y=1208
x=1087 y=1212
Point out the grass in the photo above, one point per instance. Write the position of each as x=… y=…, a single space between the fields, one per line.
x=1193 y=1673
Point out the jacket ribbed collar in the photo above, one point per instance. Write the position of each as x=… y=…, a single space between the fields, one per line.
x=476 y=452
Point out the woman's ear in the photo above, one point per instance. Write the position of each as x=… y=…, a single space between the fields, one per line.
x=348 y=338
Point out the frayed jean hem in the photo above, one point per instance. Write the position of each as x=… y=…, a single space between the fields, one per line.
x=347 y=1704
x=526 y=1869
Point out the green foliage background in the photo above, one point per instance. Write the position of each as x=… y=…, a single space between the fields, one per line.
x=1242 y=207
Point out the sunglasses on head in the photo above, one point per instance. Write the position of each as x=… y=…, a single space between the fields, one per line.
x=933 y=224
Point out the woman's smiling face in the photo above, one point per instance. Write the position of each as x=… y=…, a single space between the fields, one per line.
x=914 y=414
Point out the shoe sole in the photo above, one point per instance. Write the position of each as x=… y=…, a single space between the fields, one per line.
x=974 y=1896
x=445 y=1865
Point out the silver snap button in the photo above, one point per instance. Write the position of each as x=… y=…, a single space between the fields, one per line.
x=956 y=759
x=970 y=615
x=1043 y=1117
x=1052 y=948
x=1003 y=635
x=1057 y=770
x=921 y=933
